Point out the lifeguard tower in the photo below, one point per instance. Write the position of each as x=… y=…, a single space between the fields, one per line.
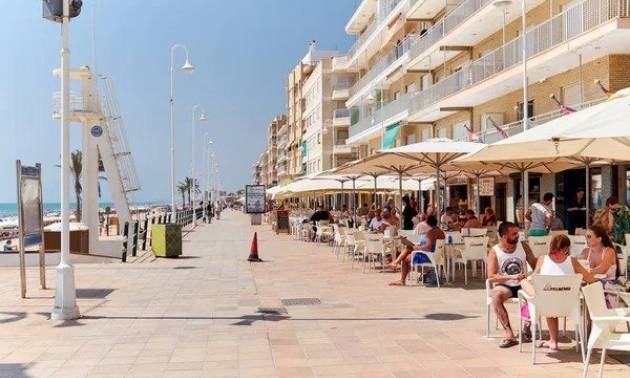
x=103 y=138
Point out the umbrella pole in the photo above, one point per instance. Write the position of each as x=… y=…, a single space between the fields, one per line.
x=354 y=202
x=588 y=192
x=523 y=196
x=420 y=197
x=478 y=196
x=400 y=191
x=437 y=192
x=375 y=200
x=343 y=200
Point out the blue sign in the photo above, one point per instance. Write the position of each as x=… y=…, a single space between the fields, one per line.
x=96 y=131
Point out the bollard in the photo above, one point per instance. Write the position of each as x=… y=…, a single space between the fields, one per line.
x=145 y=232
x=125 y=241
x=151 y=239
x=134 y=245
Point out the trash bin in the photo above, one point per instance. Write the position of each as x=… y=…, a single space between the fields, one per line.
x=79 y=238
x=166 y=240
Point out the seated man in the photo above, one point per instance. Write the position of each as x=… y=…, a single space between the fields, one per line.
x=506 y=269
x=375 y=223
x=432 y=236
x=8 y=246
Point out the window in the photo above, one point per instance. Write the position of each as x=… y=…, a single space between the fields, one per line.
x=426 y=81
x=410 y=88
x=530 y=110
x=442 y=133
x=411 y=138
x=396 y=95
x=459 y=131
x=426 y=134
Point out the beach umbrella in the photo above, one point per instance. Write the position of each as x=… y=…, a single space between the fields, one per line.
x=596 y=135
x=380 y=164
x=433 y=155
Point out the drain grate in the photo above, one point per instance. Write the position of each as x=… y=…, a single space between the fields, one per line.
x=301 y=301
x=272 y=310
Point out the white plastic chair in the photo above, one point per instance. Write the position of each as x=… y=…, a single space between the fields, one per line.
x=475 y=231
x=553 y=233
x=539 y=245
x=604 y=323
x=436 y=260
x=360 y=247
x=556 y=297
x=475 y=249
x=324 y=232
x=578 y=244
x=489 y=287
x=375 y=248
x=622 y=259
x=579 y=231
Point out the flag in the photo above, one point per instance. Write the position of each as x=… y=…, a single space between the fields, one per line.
x=470 y=134
x=498 y=129
x=563 y=108
x=606 y=91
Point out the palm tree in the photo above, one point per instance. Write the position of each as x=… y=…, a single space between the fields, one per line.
x=76 y=167
x=190 y=186
x=182 y=187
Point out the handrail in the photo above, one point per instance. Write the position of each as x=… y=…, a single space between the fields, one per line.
x=386 y=111
x=391 y=5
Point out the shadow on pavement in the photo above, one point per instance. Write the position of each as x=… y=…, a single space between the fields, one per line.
x=10 y=317
x=14 y=370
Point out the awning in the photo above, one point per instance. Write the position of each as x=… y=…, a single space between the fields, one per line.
x=389 y=138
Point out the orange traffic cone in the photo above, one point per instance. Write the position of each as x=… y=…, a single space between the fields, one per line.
x=253 y=250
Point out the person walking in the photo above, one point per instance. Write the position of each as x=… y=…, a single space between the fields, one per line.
x=540 y=216
x=408 y=213
x=577 y=211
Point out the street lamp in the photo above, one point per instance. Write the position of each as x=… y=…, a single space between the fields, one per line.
x=202 y=118
x=65 y=307
x=187 y=68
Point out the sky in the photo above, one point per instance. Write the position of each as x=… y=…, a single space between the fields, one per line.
x=243 y=51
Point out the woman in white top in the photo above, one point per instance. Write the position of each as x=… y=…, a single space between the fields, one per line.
x=557 y=262
x=600 y=253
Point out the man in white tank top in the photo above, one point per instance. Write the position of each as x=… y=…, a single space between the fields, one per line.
x=507 y=266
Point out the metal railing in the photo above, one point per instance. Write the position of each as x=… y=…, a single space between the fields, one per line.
x=492 y=135
x=383 y=64
x=118 y=137
x=559 y=29
x=385 y=112
x=446 y=25
x=390 y=6
x=76 y=103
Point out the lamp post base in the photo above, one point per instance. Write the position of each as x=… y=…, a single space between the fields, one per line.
x=65 y=294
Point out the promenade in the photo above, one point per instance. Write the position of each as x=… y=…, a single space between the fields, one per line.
x=211 y=313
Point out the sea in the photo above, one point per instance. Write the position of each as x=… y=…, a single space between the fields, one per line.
x=8 y=211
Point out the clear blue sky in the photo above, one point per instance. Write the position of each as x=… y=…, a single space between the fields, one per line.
x=243 y=51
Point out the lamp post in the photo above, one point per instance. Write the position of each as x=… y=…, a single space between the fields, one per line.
x=202 y=118
x=187 y=68
x=65 y=307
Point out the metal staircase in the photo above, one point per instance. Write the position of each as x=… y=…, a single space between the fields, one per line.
x=118 y=137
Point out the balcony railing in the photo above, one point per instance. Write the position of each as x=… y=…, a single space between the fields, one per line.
x=341 y=113
x=76 y=103
x=387 y=111
x=382 y=65
x=446 y=25
x=492 y=135
x=551 y=33
x=389 y=7
x=341 y=85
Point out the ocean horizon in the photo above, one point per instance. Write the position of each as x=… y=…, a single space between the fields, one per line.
x=9 y=210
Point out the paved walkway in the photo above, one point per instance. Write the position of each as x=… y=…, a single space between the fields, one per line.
x=212 y=314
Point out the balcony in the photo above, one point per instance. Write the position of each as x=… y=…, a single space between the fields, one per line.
x=492 y=135
x=547 y=55
x=341 y=89
x=76 y=106
x=466 y=25
x=343 y=149
x=341 y=117
x=381 y=69
x=370 y=124
x=374 y=28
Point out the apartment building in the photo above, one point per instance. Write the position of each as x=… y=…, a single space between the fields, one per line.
x=296 y=106
x=454 y=69
x=325 y=117
x=272 y=149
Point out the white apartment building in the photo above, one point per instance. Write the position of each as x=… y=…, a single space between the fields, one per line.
x=453 y=69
